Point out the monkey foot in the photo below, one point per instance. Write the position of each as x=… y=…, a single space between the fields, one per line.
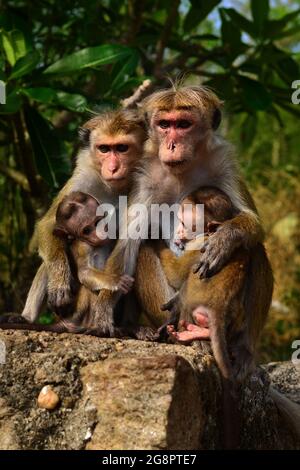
x=12 y=318
x=190 y=333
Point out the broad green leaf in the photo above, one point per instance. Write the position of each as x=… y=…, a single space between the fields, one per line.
x=8 y=48
x=50 y=154
x=90 y=57
x=231 y=36
x=123 y=70
x=255 y=94
x=10 y=21
x=248 y=130
x=41 y=94
x=13 y=103
x=274 y=27
x=72 y=101
x=260 y=11
x=25 y=65
x=199 y=10
x=14 y=45
x=243 y=23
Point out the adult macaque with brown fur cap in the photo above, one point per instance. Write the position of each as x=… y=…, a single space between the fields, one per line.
x=112 y=144
x=184 y=153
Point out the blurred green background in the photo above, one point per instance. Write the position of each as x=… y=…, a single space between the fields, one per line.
x=62 y=60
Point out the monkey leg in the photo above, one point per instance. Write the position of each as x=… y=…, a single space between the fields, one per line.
x=36 y=295
x=151 y=286
x=189 y=332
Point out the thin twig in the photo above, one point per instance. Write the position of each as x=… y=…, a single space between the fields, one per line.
x=138 y=95
x=15 y=176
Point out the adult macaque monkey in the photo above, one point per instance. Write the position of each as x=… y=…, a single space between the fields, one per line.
x=111 y=146
x=183 y=153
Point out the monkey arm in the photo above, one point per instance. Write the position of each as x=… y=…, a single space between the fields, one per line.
x=243 y=230
x=177 y=268
x=51 y=250
x=36 y=295
x=91 y=277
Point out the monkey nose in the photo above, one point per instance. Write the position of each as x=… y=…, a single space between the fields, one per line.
x=171 y=145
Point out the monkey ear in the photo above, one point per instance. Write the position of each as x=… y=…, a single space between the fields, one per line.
x=60 y=232
x=216 y=119
x=84 y=136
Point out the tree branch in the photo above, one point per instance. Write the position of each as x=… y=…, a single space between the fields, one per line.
x=138 y=95
x=15 y=176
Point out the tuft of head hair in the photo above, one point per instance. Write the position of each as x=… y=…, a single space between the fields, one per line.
x=113 y=122
x=215 y=201
x=70 y=204
x=199 y=98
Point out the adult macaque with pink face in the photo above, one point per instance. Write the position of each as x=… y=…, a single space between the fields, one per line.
x=111 y=146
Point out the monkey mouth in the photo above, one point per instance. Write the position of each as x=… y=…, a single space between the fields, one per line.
x=176 y=163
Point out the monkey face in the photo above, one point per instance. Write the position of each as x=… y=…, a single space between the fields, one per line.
x=190 y=218
x=179 y=133
x=115 y=157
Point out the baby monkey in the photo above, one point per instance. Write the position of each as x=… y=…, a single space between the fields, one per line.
x=216 y=302
x=88 y=250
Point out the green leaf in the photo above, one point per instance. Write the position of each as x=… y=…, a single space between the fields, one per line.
x=199 y=10
x=13 y=103
x=255 y=94
x=14 y=45
x=231 y=36
x=8 y=48
x=260 y=11
x=90 y=57
x=248 y=130
x=50 y=154
x=239 y=20
x=41 y=94
x=274 y=27
x=72 y=101
x=122 y=71
x=25 y=65
x=291 y=108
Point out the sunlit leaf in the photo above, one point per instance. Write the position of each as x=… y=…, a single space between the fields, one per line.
x=90 y=57
x=72 y=101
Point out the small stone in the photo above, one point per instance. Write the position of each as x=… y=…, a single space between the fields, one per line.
x=48 y=398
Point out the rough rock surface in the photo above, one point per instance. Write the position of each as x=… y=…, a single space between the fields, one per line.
x=127 y=394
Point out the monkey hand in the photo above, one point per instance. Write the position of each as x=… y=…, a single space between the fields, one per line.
x=13 y=318
x=125 y=284
x=61 y=288
x=216 y=251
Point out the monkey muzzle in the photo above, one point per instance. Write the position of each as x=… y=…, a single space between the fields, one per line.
x=171 y=146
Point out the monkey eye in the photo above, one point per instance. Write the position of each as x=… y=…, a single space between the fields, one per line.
x=87 y=230
x=103 y=148
x=164 y=124
x=183 y=124
x=122 y=148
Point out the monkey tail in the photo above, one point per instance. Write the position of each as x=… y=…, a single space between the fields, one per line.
x=289 y=410
x=230 y=408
